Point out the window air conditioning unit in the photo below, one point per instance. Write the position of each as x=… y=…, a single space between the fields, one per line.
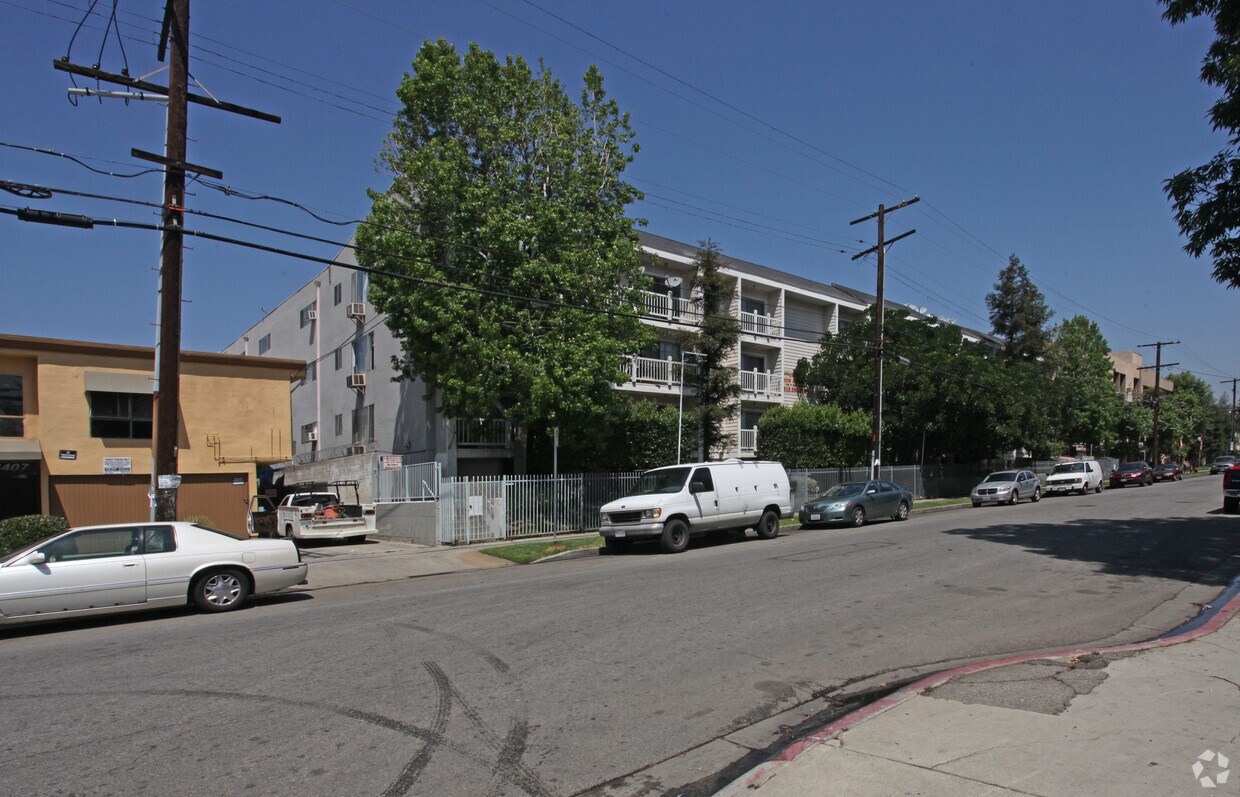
x=356 y=310
x=357 y=381
x=312 y=437
x=312 y=315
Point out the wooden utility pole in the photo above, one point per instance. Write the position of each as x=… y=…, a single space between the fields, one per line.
x=174 y=35
x=881 y=250
x=168 y=350
x=1158 y=366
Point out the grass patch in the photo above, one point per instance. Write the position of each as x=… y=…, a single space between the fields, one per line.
x=933 y=502
x=523 y=553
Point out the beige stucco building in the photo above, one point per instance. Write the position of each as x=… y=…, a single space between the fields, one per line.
x=1131 y=377
x=76 y=430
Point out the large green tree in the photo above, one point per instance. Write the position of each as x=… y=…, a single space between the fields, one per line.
x=1081 y=393
x=714 y=381
x=507 y=207
x=1018 y=313
x=1207 y=198
x=943 y=396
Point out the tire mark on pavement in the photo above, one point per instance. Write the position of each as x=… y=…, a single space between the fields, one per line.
x=443 y=708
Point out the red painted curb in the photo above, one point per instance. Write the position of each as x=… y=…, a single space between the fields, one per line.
x=763 y=772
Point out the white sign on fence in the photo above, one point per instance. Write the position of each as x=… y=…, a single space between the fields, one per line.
x=475 y=506
x=391 y=462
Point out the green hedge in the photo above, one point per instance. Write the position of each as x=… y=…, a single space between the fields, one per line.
x=18 y=532
x=814 y=436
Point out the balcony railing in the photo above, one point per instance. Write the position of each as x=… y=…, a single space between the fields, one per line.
x=481 y=432
x=748 y=441
x=653 y=371
x=759 y=324
x=756 y=384
x=670 y=307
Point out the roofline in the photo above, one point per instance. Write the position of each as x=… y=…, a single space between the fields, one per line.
x=35 y=344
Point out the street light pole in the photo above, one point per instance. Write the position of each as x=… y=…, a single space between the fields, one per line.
x=680 y=424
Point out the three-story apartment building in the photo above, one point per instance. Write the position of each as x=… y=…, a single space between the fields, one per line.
x=349 y=406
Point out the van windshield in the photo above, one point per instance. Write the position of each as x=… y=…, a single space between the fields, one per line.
x=1070 y=467
x=666 y=481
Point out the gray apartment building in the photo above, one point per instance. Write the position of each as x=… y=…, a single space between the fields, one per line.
x=348 y=408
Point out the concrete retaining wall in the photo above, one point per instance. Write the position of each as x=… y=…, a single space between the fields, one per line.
x=414 y=521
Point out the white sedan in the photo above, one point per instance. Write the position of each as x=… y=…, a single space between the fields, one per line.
x=126 y=567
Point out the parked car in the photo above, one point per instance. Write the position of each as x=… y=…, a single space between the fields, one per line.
x=1231 y=489
x=318 y=511
x=673 y=503
x=1071 y=477
x=1168 y=472
x=1139 y=473
x=857 y=502
x=1007 y=487
x=120 y=568
x=1221 y=464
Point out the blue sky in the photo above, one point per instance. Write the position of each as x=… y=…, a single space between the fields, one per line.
x=1040 y=129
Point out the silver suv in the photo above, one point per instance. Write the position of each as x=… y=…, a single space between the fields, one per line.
x=1221 y=464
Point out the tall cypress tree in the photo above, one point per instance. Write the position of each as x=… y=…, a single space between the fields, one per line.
x=718 y=392
x=1018 y=313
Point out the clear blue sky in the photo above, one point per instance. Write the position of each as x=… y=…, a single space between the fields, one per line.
x=1040 y=129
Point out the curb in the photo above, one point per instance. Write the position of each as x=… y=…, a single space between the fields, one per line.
x=1214 y=616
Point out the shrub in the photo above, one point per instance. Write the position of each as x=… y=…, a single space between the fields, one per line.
x=18 y=532
x=814 y=436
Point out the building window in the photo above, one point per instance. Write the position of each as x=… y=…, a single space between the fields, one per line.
x=364 y=424
x=310 y=434
x=663 y=350
x=755 y=306
x=306 y=320
x=338 y=356
x=753 y=362
x=11 y=414
x=337 y=294
x=312 y=368
x=364 y=353
x=122 y=416
x=264 y=344
x=361 y=285
x=340 y=425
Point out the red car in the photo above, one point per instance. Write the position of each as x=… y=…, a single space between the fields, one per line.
x=1231 y=489
x=1138 y=473
x=1168 y=472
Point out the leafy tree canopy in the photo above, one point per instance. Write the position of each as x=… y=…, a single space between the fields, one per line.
x=502 y=185
x=1081 y=395
x=1206 y=198
x=1018 y=313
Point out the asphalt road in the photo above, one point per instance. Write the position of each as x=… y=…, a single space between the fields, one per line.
x=600 y=675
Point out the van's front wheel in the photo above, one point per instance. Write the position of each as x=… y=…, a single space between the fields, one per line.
x=675 y=536
x=768 y=526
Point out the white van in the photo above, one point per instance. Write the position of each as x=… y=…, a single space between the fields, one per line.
x=678 y=501
x=1071 y=477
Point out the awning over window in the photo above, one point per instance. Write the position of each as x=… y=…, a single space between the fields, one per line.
x=20 y=448
x=109 y=382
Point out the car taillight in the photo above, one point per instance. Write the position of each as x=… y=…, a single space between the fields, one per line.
x=307 y=516
x=369 y=511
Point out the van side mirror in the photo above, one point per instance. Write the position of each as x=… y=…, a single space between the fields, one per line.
x=697 y=487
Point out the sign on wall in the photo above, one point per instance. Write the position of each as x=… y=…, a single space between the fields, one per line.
x=118 y=466
x=67 y=454
x=391 y=462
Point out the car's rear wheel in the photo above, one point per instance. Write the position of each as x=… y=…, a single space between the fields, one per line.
x=768 y=526
x=1037 y=494
x=902 y=511
x=221 y=590
x=1097 y=489
x=976 y=504
x=858 y=516
x=675 y=536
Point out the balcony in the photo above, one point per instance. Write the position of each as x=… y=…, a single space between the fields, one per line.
x=748 y=441
x=481 y=432
x=763 y=386
x=653 y=371
x=670 y=307
x=759 y=324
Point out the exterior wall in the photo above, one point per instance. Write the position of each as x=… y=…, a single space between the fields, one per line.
x=1131 y=378
x=415 y=521
x=234 y=415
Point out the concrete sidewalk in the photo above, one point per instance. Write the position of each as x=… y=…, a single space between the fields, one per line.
x=376 y=561
x=1160 y=717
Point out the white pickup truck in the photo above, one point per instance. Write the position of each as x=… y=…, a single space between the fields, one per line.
x=320 y=512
